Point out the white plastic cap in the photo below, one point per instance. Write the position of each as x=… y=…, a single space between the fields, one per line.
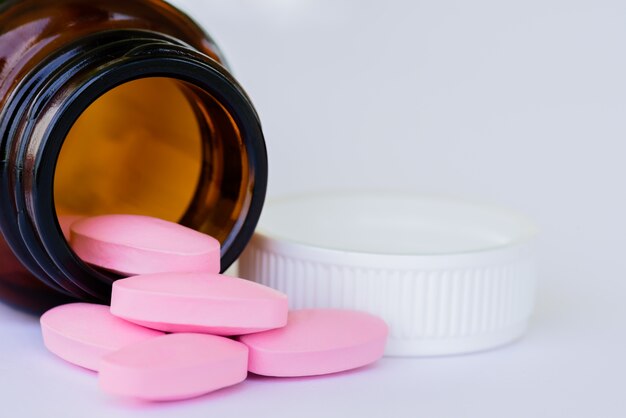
x=447 y=276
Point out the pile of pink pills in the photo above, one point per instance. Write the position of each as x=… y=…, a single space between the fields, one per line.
x=176 y=328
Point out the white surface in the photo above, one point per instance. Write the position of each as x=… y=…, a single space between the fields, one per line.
x=386 y=223
x=448 y=276
x=518 y=103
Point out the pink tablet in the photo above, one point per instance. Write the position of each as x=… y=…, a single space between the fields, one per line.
x=66 y=222
x=198 y=302
x=175 y=366
x=81 y=333
x=317 y=341
x=132 y=244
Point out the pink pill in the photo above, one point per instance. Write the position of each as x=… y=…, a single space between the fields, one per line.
x=132 y=244
x=175 y=366
x=81 y=333
x=66 y=222
x=198 y=302
x=316 y=342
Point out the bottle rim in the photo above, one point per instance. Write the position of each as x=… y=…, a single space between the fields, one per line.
x=60 y=90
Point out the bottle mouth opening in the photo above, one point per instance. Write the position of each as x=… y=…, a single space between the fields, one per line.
x=211 y=177
x=137 y=149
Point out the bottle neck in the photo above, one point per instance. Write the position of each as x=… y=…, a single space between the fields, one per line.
x=43 y=108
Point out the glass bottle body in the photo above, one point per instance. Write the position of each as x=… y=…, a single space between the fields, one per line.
x=115 y=107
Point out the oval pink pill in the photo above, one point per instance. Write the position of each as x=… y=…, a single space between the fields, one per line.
x=66 y=222
x=133 y=244
x=316 y=342
x=81 y=333
x=175 y=366
x=198 y=302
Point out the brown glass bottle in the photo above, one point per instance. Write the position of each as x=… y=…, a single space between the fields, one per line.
x=115 y=106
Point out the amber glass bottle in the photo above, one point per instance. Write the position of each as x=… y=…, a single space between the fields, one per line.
x=115 y=106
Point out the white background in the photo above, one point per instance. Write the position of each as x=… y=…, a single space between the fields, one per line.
x=519 y=103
